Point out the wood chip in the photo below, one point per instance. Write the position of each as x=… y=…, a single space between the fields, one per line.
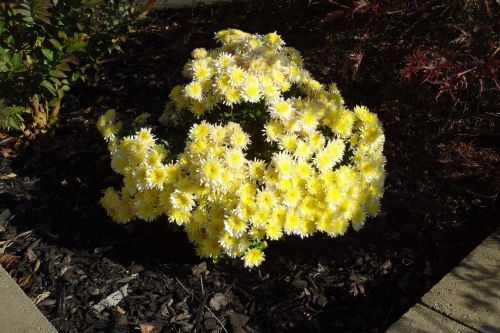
x=112 y=300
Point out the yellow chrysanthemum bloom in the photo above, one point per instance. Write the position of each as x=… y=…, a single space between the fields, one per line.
x=316 y=166
x=253 y=257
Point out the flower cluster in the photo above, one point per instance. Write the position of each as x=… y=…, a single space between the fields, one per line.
x=326 y=170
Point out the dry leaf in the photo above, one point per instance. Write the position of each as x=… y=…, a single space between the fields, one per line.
x=120 y=311
x=31 y=255
x=386 y=265
x=8 y=260
x=25 y=282
x=136 y=269
x=41 y=297
x=199 y=270
x=146 y=328
x=218 y=301
x=37 y=265
x=238 y=322
x=8 y=176
x=6 y=152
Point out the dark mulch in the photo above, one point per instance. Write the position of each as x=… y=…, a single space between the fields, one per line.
x=440 y=202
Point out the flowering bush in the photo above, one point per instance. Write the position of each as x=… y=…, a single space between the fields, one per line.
x=271 y=153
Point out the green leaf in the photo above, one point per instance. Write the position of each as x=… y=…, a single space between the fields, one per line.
x=72 y=59
x=10 y=116
x=2 y=26
x=75 y=76
x=29 y=59
x=63 y=66
x=54 y=101
x=55 y=81
x=56 y=44
x=57 y=73
x=78 y=46
x=25 y=13
x=49 y=86
x=48 y=53
x=10 y=40
x=62 y=34
x=17 y=61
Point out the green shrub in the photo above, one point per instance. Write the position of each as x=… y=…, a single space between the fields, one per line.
x=45 y=46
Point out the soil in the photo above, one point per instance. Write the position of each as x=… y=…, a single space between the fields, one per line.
x=87 y=274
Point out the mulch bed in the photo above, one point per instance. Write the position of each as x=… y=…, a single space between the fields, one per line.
x=87 y=274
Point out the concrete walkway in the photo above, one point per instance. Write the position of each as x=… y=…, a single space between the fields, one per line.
x=466 y=300
x=18 y=314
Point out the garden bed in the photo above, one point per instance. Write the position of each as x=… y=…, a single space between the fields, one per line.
x=440 y=201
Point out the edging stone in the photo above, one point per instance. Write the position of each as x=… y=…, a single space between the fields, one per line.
x=18 y=314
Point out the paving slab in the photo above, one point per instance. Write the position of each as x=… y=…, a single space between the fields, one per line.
x=18 y=314
x=466 y=300
x=470 y=293
x=420 y=319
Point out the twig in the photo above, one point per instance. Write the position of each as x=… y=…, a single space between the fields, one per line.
x=197 y=322
x=206 y=307
x=186 y=289
x=217 y=319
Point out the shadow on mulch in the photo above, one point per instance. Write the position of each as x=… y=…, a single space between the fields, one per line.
x=440 y=199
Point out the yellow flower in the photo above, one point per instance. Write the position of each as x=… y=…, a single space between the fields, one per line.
x=282 y=110
x=201 y=70
x=253 y=257
x=218 y=134
x=236 y=76
x=157 y=177
x=274 y=230
x=235 y=225
x=289 y=142
x=309 y=121
x=235 y=159
x=292 y=222
x=256 y=169
x=239 y=140
x=182 y=200
x=232 y=96
x=324 y=161
x=199 y=53
x=284 y=164
x=274 y=40
x=303 y=150
x=251 y=90
x=172 y=173
x=273 y=131
x=260 y=217
x=224 y=60
x=211 y=171
x=194 y=90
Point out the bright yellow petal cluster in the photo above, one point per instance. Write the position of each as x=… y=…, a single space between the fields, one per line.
x=326 y=171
